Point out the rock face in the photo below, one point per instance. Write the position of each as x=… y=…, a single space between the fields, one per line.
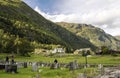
x=94 y=34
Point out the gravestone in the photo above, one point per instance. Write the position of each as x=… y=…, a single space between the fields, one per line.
x=73 y=65
x=25 y=64
x=42 y=65
x=34 y=67
x=81 y=75
x=100 y=66
x=37 y=76
x=101 y=69
x=54 y=66
x=11 y=68
x=2 y=66
x=19 y=65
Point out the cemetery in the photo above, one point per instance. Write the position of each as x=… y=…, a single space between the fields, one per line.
x=52 y=67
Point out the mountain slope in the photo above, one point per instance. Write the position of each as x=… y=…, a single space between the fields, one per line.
x=18 y=19
x=118 y=37
x=95 y=35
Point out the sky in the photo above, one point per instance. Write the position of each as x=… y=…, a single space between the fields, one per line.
x=104 y=14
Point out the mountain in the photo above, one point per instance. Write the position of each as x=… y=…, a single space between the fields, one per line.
x=94 y=34
x=118 y=37
x=18 y=20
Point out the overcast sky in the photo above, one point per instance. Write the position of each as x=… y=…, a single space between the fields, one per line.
x=101 y=13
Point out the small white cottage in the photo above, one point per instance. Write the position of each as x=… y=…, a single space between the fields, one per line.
x=58 y=50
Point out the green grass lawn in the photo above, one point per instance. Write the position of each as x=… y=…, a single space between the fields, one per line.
x=46 y=72
x=57 y=73
x=107 y=59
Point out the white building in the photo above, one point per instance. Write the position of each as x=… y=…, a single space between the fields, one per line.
x=58 y=50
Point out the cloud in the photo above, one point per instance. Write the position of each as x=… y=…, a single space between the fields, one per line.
x=102 y=13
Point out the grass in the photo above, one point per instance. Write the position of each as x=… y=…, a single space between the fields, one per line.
x=107 y=59
x=46 y=72
x=23 y=73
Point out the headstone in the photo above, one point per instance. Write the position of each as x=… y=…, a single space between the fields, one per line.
x=101 y=69
x=6 y=68
x=73 y=65
x=37 y=76
x=11 y=68
x=19 y=65
x=54 y=66
x=14 y=68
x=30 y=63
x=34 y=67
x=25 y=64
x=2 y=66
x=81 y=75
x=100 y=66
x=42 y=65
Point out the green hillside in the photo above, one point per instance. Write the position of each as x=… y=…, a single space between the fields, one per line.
x=20 y=24
x=95 y=35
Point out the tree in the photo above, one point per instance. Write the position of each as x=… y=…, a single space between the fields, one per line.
x=104 y=49
x=23 y=46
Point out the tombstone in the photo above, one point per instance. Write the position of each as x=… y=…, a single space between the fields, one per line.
x=2 y=66
x=11 y=68
x=37 y=76
x=100 y=66
x=19 y=65
x=81 y=75
x=6 y=68
x=25 y=64
x=34 y=67
x=73 y=65
x=14 y=68
x=42 y=65
x=54 y=66
x=101 y=69
x=30 y=63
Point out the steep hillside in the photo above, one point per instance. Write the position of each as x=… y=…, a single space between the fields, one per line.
x=95 y=35
x=118 y=37
x=19 y=20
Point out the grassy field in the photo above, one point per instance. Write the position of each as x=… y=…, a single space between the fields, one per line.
x=107 y=59
x=57 y=73
x=46 y=73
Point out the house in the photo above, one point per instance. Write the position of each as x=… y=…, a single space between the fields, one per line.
x=58 y=50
